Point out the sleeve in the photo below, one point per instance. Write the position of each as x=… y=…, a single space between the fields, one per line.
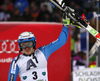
x=55 y=45
x=13 y=72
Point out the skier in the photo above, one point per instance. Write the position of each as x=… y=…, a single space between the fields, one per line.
x=32 y=64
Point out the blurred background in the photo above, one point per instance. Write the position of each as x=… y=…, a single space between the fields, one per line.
x=42 y=11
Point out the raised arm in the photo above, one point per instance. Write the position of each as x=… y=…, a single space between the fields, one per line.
x=55 y=45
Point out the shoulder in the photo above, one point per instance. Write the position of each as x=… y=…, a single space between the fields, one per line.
x=38 y=51
x=42 y=48
x=21 y=57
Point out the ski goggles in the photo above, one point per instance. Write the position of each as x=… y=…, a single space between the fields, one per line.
x=25 y=45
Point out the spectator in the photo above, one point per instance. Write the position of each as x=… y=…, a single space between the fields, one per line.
x=38 y=2
x=21 y=4
x=57 y=16
x=79 y=61
x=76 y=36
x=5 y=14
x=78 y=9
x=48 y=5
x=34 y=10
x=27 y=16
x=16 y=15
x=44 y=14
x=46 y=17
x=72 y=4
x=9 y=5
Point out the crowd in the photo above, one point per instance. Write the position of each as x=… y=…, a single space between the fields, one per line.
x=37 y=10
x=28 y=10
x=42 y=11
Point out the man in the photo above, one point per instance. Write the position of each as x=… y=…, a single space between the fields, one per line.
x=32 y=64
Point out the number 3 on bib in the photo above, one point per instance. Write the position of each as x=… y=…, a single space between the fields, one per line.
x=34 y=75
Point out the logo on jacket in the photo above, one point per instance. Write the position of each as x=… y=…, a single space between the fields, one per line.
x=43 y=73
x=24 y=77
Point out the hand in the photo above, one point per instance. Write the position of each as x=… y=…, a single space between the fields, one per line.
x=65 y=20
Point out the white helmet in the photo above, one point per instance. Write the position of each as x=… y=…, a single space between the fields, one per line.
x=26 y=37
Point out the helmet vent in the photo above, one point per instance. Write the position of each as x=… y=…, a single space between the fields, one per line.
x=29 y=38
x=21 y=39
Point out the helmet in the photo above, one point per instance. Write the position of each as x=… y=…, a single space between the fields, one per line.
x=26 y=37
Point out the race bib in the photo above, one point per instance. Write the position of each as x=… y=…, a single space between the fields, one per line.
x=35 y=75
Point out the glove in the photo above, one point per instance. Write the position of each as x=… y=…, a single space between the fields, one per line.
x=65 y=20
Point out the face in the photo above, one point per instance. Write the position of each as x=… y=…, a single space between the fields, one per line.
x=27 y=47
x=28 y=50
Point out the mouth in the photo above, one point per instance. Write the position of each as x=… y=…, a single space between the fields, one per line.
x=27 y=50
